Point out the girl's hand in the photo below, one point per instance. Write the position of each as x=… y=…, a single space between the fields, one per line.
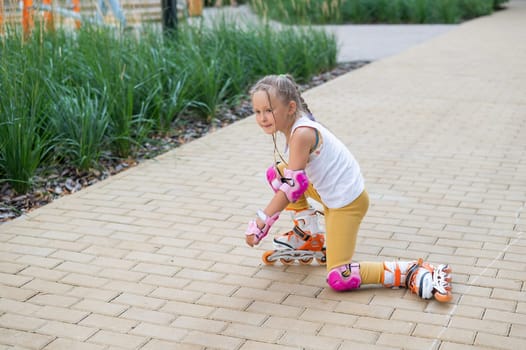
x=257 y=229
x=251 y=240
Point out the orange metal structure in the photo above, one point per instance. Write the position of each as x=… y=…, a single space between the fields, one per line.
x=76 y=9
x=1 y=17
x=48 y=16
x=195 y=7
x=27 y=17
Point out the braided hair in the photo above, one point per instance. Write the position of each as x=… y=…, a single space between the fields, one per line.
x=285 y=89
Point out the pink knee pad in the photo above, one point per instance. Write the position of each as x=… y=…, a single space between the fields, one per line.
x=345 y=277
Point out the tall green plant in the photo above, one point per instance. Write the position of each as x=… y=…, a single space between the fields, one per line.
x=449 y=11
x=165 y=87
x=475 y=8
x=214 y=86
x=25 y=138
x=81 y=122
x=128 y=127
x=265 y=51
x=24 y=109
x=107 y=62
x=231 y=41
x=95 y=90
x=372 y=11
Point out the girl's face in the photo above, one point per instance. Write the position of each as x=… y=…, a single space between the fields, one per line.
x=282 y=118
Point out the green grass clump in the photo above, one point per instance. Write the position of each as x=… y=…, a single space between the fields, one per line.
x=70 y=98
x=373 y=11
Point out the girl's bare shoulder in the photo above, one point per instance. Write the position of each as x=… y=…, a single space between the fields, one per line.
x=303 y=138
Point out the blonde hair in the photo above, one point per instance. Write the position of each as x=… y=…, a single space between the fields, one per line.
x=285 y=89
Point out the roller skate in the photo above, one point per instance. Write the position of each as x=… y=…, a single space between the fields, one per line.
x=304 y=243
x=423 y=279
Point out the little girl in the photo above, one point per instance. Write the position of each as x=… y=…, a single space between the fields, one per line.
x=321 y=167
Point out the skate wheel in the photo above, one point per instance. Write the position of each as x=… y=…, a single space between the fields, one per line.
x=285 y=261
x=266 y=257
x=443 y=298
x=305 y=261
x=322 y=261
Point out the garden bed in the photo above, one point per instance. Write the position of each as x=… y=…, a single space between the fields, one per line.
x=61 y=180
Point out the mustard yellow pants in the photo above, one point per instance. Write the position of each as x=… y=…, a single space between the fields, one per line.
x=342 y=225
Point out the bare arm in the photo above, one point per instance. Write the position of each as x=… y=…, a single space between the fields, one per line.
x=300 y=145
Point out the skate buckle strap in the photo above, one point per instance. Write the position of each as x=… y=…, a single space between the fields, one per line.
x=298 y=231
x=411 y=271
x=397 y=275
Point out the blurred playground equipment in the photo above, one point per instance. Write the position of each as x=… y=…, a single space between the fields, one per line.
x=73 y=13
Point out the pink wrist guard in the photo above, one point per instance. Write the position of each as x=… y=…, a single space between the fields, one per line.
x=253 y=228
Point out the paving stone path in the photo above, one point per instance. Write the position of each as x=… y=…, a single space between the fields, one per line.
x=154 y=258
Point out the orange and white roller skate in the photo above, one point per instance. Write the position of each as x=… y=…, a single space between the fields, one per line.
x=304 y=243
x=421 y=278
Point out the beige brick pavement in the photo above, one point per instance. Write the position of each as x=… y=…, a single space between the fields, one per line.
x=154 y=257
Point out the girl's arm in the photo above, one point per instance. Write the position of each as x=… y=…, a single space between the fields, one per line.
x=300 y=146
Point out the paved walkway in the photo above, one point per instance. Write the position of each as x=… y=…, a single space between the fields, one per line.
x=154 y=257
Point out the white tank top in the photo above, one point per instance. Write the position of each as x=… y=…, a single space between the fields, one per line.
x=331 y=168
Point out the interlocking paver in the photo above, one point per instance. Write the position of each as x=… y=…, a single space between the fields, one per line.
x=444 y=334
x=500 y=327
x=174 y=334
x=23 y=323
x=211 y=340
x=257 y=333
x=343 y=331
x=319 y=342
x=45 y=297
x=407 y=342
x=498 y=342
x=109 y=323
x=67 y=330
x=255 y=345
x=24 y=339
x=67 y=344
x=100 y=307
x=157 y=317
x=439 y=131
x=121 y=340
x=61 y=314
x=155 y=344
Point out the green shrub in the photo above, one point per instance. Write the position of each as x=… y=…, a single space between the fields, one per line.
x=24 y=134
x=24 y=113
x=497 y=4
x=80 y=122
x=372 y=11
x=68 y=98
x=475 y=8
